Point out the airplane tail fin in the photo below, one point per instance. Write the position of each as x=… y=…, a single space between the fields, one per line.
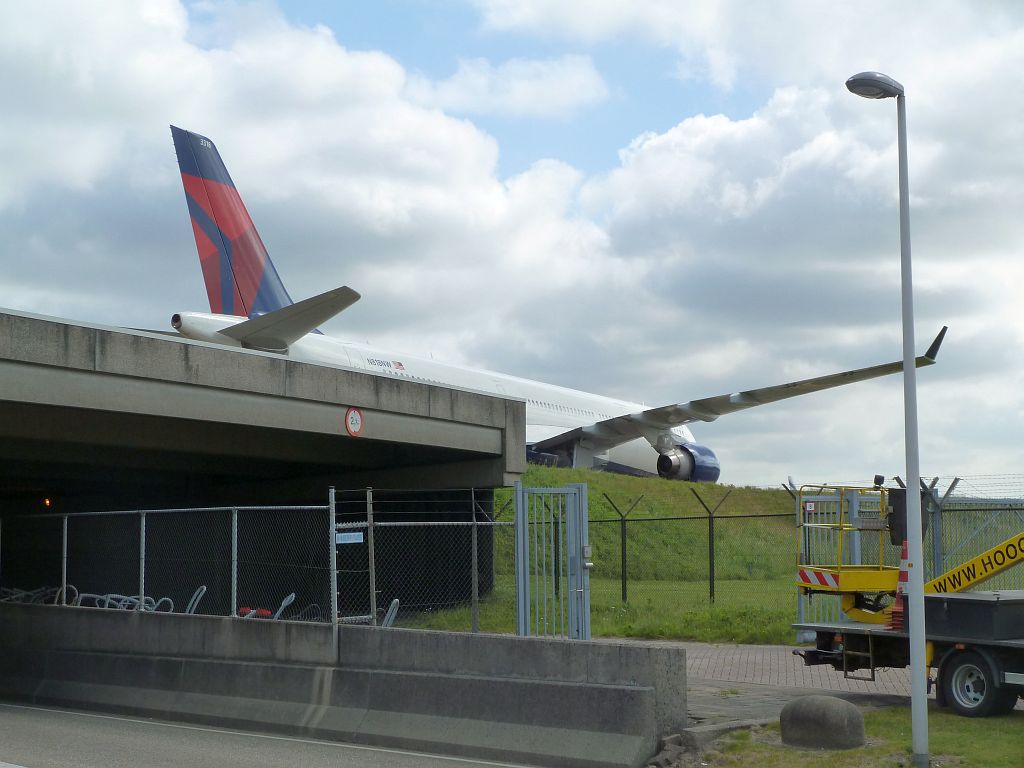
x=240 y=278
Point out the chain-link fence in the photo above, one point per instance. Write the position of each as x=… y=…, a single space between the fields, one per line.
x=449 y=561
x=974 y=515
x=437 y=559
x=448 y=557
x=443 y=559
x=434 y=558
x=667 y=565
x=247 y=561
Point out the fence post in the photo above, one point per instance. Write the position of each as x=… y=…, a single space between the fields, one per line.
x=333 y=554
x=711 y=557
x=521 y=564
x=64 y=561
x=556 y=546
x=234 y=561
x=370 y=557
x=624 y=571
x=801 y=556
x=622 y=557
x=711 y=540
x=142 y=560
x=936 y=533
x=938 y=544
x=476 y=575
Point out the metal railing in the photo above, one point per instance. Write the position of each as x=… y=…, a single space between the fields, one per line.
x=265 y=562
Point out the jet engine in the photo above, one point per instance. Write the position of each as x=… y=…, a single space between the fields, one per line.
x=689 y=461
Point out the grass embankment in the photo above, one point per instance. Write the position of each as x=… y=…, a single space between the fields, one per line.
x=668 y=589
x=992 y=742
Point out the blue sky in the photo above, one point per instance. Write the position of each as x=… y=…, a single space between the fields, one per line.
x=430 y=37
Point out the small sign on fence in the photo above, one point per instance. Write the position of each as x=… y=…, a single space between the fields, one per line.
x=349 y=537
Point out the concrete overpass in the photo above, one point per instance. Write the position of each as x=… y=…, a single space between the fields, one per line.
x=94 y=417
x=98 y=418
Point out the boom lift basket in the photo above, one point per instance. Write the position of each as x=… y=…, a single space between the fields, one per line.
x=842 y=541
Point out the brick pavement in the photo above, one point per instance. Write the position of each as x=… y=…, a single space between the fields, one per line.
x=740 y=683
x=776 y=665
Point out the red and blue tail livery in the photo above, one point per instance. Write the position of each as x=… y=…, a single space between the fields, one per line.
x=240 y=278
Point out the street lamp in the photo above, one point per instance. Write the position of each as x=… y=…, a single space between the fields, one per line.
x=875 y=85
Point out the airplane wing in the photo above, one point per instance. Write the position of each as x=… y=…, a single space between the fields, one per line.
x=608 y=433
x=277 y=330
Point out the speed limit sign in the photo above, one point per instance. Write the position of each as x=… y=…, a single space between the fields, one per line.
x=354 y=422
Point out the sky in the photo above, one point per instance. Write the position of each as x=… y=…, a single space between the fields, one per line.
x=652 y=200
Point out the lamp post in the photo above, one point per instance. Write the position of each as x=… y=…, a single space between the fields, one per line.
x=875 y=85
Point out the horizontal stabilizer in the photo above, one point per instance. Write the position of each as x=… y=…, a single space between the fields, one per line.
x=277 y=330
x=654 y=421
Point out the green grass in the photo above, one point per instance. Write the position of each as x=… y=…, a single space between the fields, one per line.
x=994 y=742
x=681 y=610
x=660 y=609
x=497 y=612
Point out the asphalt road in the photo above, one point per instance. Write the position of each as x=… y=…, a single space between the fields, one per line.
x=37 y=737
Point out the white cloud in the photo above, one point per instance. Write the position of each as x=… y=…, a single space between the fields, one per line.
x=717 y=254
x=517 y=88
x=799 y=41
x=698 y=30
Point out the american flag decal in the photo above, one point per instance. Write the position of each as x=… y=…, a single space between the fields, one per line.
x=398 y=365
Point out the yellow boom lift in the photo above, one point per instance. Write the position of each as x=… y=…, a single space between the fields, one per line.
x=849 y=546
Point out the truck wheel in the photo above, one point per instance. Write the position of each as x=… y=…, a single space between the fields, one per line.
x=970 y=688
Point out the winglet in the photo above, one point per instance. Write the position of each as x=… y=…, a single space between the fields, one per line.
x=933 y=350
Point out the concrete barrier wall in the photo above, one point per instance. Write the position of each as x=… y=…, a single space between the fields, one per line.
x=661 y=668
x=526 y=721
x=166 y=634
x=546 y=702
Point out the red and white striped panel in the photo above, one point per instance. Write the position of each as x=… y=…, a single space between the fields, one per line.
x=817 y=579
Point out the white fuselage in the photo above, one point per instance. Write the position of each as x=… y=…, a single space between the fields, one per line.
x=550 y=409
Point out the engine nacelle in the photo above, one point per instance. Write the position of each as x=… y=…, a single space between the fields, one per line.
x=690 y=461
x=206 y=327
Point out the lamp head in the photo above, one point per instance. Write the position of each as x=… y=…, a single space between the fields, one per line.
x=874 y=85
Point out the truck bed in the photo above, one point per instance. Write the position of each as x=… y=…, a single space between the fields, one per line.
x=879 y=630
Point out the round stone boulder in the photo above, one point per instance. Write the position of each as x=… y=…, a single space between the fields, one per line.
x=822 y=722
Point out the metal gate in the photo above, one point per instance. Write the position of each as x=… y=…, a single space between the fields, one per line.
x=553 y=561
